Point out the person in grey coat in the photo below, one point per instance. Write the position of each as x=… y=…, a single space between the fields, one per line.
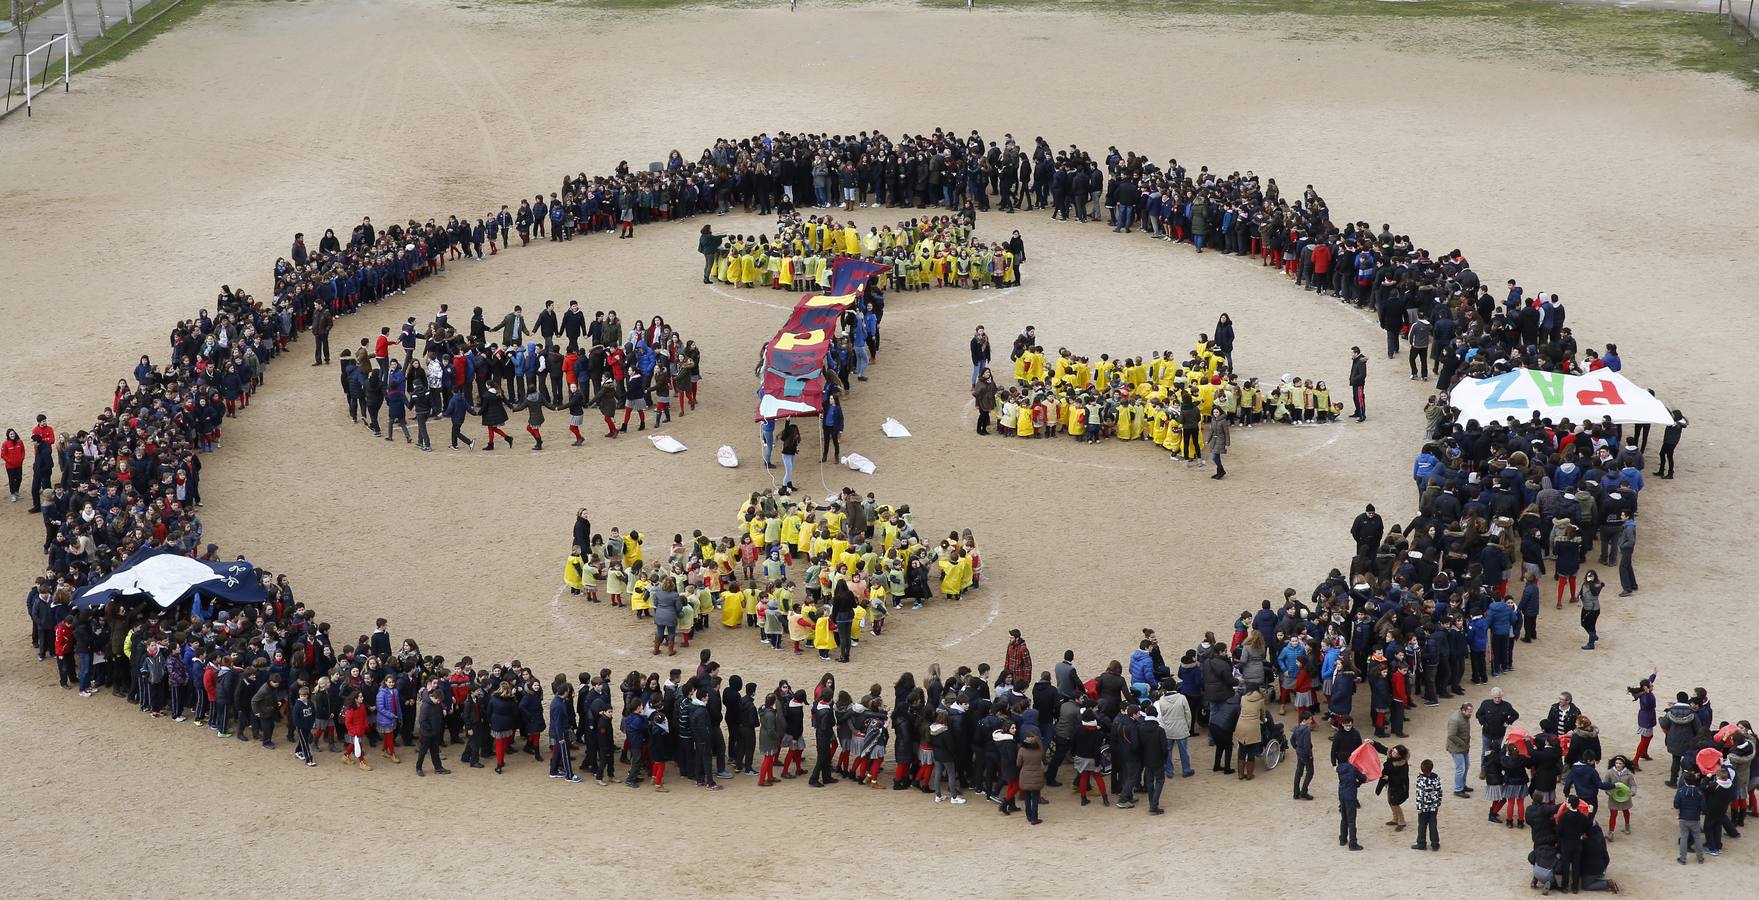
x=1215 y=437
x=1420 y=333
x=666 y=603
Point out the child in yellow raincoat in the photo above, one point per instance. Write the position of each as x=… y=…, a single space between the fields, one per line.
x=799 y=626
x=573 y=572
x=638 y=588
x=732 y=606
x=824 y=636
x=616 y=582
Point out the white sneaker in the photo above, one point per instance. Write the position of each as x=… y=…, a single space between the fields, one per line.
x=958 y=800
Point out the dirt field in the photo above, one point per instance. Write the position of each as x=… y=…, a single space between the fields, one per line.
x=193 y=162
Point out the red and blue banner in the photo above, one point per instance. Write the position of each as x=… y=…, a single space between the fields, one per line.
x=794 y=361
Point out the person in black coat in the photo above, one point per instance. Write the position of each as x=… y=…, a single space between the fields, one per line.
x=1572 y=829
x=824 y=727
x=1344 y=740
x=1127 y=762
x=661 y=746
x=493 y=410
x=1367 y=531
x=1152 y=744
x=430 y=721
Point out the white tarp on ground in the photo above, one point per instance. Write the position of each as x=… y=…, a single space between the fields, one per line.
x=894 y=428
x=1580 y=398
x=726 y=456
x=859 y=463
x=667 y=443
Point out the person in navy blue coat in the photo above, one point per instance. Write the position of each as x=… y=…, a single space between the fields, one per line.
x=561 y=731
x=1350 y=779
x=504 y=718
x=831 y=420
x=457 y=407
x=531 y=713
x=1529 y=608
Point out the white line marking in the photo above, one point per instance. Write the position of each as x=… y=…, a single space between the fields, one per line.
x=557 y=615
x=1073 y=462
x=1338 y=433
x=728 y=296
x=995 y=611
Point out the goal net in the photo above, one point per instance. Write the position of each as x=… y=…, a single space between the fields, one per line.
x=36 y=70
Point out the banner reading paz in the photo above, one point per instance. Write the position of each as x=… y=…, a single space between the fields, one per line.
x=794 y=361
x=1520 y=393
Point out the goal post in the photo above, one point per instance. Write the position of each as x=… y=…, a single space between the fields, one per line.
x=23 y=64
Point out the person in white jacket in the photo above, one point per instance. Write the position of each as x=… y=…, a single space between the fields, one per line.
x=1174 y=714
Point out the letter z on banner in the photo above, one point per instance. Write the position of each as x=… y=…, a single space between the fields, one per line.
x=794 y=361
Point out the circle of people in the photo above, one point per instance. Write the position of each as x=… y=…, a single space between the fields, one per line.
x=1419 y=604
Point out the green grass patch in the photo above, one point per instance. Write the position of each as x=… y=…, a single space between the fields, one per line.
x=1589 y=35
x=150 y=22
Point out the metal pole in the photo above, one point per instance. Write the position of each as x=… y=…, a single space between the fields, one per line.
x=101 y=25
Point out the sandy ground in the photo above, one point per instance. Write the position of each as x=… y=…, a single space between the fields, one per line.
x=192 y=163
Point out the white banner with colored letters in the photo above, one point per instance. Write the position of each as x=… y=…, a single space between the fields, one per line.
x=1555 y=396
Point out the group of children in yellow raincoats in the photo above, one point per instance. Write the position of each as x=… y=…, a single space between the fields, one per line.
x=921 y=253
x=747 y=581
x=1137 y=399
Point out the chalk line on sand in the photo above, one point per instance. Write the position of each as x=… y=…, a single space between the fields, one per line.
x=738 y=299
x=560 y=619
x=995 y=611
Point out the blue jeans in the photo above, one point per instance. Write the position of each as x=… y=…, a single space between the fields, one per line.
x=1459 y=771
x=1184 y=756
x=976 y=370
x=769 y=446
x=787 y=468
x=85 y=670
x=1123 y=214
x=861 y=359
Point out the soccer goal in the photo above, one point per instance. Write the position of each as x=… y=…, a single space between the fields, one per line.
x=19 y=78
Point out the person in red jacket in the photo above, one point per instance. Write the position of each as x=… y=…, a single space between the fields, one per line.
x=43 y=429
x=354 y=721
x=382 y=348
x=1321 y=267
x=64 y=650
x=12 y=456
x=210 y=687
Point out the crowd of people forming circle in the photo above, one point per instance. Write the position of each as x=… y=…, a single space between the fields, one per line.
x=1420 y=606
